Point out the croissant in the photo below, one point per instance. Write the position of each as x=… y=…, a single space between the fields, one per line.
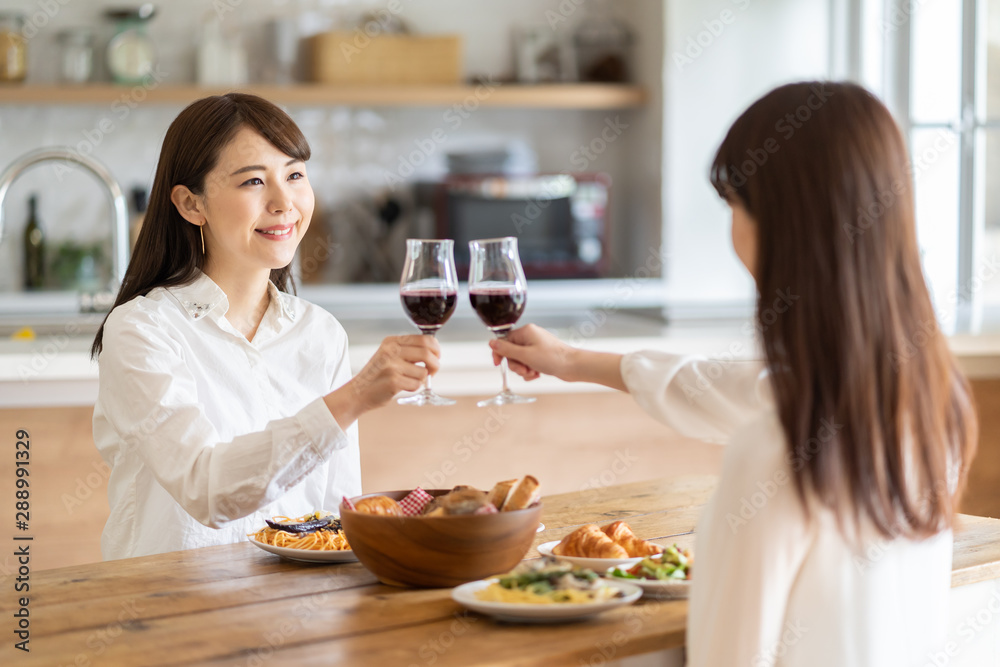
x=379 y=505
x=589 y=542
x=621 y=533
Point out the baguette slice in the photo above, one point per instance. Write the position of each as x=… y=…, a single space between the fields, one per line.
x=498 y=494
x=524 y=493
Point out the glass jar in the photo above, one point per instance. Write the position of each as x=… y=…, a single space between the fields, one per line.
x=131 y=55
x=76 y=62
x=603 y=45
x=13 y=48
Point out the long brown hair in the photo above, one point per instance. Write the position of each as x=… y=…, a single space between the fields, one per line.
x=168 y=250
x=879 y=420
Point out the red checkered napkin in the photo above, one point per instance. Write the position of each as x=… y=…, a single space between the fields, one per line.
x=415 y=502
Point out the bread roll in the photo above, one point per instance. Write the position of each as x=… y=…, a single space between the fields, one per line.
x=524 y=493
x=465 y=500
x=379 y=505
x=498 y=494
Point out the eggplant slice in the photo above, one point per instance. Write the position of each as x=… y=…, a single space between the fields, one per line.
x=330 y=522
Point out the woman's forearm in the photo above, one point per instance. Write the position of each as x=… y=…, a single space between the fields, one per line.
x=344 y=405
x=597 y=367
x=533 y=351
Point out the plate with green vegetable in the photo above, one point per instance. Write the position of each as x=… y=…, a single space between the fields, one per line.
x=666 y=576
x=545 y=591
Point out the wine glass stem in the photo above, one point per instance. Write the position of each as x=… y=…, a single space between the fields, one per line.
x=427 y=380
x=503 y=365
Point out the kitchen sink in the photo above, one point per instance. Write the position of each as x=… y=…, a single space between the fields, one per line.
x=50 y=313
x=51 y=325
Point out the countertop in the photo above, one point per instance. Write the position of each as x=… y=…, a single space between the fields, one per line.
x=55 y=368
x=236 y=603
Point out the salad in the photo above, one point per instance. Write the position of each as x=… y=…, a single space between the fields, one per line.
x=548 y=581
x=673 y=564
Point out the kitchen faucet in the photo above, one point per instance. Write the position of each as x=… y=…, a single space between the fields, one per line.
x=119 y=232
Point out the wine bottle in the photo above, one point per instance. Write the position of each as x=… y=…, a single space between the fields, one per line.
x=139 y=203
x=34 y=248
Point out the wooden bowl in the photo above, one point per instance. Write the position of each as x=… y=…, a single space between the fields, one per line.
x=438 y=551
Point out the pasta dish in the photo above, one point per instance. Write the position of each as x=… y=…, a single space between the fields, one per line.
x=319 y=531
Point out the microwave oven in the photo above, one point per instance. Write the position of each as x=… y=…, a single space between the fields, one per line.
x=560 y=220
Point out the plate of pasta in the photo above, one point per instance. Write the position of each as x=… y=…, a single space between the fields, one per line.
x=313 y=538
x=545 y=591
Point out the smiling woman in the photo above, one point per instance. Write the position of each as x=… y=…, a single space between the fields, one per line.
x=223 y=399
x=260 y=207
x=209 y=140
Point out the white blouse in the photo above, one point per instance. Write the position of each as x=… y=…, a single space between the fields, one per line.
x=206 y=433
x=770 y=588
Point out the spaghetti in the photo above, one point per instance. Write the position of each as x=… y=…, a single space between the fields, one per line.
x=325 y=539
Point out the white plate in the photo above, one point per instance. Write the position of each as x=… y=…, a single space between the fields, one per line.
x=660 y=589
x=541 y=527
x=525 y=612
x=308 y=555
x=598 y=565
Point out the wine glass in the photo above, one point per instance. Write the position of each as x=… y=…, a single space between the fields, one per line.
x=498 y=292
x=428 y=291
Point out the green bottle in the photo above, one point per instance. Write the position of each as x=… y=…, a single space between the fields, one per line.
x=34 y=248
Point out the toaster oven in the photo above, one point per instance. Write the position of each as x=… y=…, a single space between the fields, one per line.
x=560 y=220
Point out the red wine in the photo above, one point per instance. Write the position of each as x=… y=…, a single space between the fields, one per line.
x=498 y=307
x=428 y=309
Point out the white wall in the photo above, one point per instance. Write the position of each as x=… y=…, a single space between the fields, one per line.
x=352 y=148
x=765 y=43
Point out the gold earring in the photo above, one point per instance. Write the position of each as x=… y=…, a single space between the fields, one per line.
x=201 y=230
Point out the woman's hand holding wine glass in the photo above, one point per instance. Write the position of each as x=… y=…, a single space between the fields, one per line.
x=498 y=292
x=401 y=363
x=531 y=352
x=428 y=291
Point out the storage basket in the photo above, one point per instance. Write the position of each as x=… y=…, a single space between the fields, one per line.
x=355 y=58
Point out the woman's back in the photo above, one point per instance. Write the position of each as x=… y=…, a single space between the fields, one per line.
x=772 y=584
x=793 y=590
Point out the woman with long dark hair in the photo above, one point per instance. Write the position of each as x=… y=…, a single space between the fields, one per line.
x=223 y=399
x=828 y=540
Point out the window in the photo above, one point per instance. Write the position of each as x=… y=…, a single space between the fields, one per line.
x=953 y=115
x=989 y=248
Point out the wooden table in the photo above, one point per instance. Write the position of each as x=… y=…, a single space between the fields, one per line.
x=237 y=605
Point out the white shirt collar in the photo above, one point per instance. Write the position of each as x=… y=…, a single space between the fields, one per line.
x=202 y=297
x=283 y=300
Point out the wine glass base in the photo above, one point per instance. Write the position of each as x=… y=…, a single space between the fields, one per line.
x=425 y=398
x=505 y=398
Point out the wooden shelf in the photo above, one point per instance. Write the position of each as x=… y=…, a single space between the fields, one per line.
x=564 y=96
